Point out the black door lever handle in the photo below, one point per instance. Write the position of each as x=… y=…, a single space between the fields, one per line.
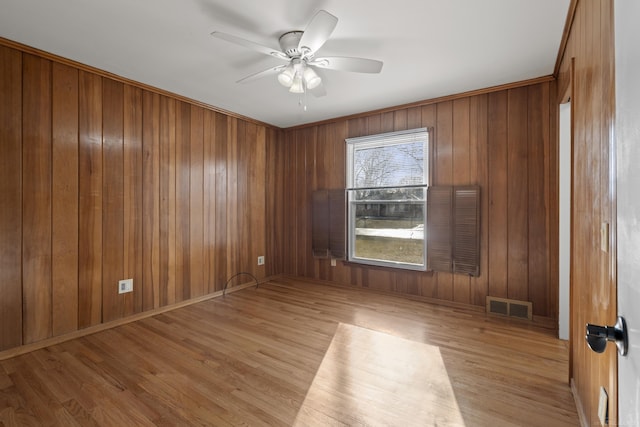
x=598 y=336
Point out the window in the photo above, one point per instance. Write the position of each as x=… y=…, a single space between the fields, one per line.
x=387 y=179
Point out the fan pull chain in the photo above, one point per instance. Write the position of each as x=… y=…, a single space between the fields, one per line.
x=302 y=101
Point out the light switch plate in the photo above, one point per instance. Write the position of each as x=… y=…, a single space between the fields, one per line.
x=603 y=407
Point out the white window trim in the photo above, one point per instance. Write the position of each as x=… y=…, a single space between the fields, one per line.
x=385 y=139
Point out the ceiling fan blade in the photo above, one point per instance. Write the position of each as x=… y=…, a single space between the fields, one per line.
x=345 y=63
x=318 y=31
x=251 y=45
x=319 y=91
x=263 y=73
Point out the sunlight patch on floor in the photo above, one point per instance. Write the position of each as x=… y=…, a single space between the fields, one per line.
x=372 y=378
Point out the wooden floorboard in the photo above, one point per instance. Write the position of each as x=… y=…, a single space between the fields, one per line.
x=297 y=353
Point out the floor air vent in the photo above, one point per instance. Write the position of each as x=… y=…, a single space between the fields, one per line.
x=510 y=307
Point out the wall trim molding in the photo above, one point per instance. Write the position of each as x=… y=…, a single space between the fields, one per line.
x=17 y=351
x=483 y=91
x=579 y=408
x=102 y=73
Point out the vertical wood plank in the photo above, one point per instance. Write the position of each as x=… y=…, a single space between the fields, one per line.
x=517 y=195
x=374 y=124
x=232 y=197
x=461 y=176
x=323 y=162
x=196 y=203
x=11 y=196
x=538 y=250
x=133 y=198
x=400 y=118
x=301 y=208
x=387 y=122
x=167 y=200
x=36 y=202
x=64 y=249
x=112 y=198
x=258 y=199
x=220 y=155
x=444 y=176
x=90 y=200
x=479 y=128
x=151 y=200
x=310 y=143
x=275 y=203
x=497 y=197
x=289 y=213
x=414 y=117
x=209 y=200
x=241 y=192
x=183 y=196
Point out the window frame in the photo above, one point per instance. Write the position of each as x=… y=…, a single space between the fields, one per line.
x=383 y=140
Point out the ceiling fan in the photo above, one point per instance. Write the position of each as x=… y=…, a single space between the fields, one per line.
x=298 y=49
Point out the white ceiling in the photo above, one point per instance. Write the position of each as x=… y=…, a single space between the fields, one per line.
x=430 y=48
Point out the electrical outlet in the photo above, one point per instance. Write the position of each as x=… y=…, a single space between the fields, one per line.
x=261 y=260
x=333 y=262
x=125 y=285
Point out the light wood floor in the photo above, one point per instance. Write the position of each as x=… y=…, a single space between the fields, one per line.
x=294 y=353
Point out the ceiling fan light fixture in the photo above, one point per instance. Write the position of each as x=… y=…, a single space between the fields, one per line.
x=298 y=84
x=286 y=77
x=311 y=78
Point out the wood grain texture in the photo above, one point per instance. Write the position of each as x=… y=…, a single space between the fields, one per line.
x=112 y=199
x=36 y=200
x=487 y=139
x=209 y=185
x=196 y=207
x=586 y=67
x=274 y=187
x=132 y=202
x=152 y=171
x=103 y=180
x=167 y=218
x=183 y=197
x=479 y=161
x=64 y=221
x=234 y=204
x=236 y=361
x=90 y=201
x=517 y=195
x=538 y=195
x=498 y=179
x=220 y=154
x=151 y=200
x=462 y=161
x=11 y=196
x=443 y=175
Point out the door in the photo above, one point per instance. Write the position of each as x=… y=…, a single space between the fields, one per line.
x=627 y=128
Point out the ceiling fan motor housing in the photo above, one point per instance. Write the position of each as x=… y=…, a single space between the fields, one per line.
x=289 y=43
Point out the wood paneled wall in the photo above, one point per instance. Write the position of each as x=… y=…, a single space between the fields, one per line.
x=102 y=180
x=593 y=279
x=504 y=141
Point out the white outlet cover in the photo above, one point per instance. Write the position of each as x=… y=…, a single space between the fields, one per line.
x=125 y=286
x=260 y=260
